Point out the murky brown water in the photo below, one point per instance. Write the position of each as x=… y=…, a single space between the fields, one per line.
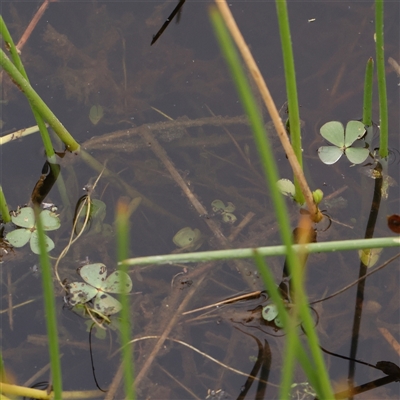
x=88 y=54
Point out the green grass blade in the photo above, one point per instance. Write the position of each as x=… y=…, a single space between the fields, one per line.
x=5 y=214
x=380 y=67
x=36 y=101
x=367 y=106
x=122 y=225
x=50 y=311
x=215 y=255
x=291 y=88
x=266 y=155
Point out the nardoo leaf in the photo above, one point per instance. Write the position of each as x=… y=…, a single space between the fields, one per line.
x=113 y=283
x=354 y=130
x=80 y=293
x=19 y=237
x=286 y=187
x=25 y=218
x=94 y=274
x=50 y=220
x=357 y=155
x=34 y=242
x=333 y=132
x=106 y=304
x=329 y=154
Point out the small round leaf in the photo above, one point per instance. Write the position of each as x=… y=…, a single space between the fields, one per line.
x=357 y=155
x=80 y=293
x=94 y=274
x=329 y=154
x=106 y=304
x=50 y=220
x=286 y=187
x=269 y=312
x=96 y=114
x=218 y=205
x=25 y=218
x=35 y=243
x=228 y=218
x=333 y=132
x=113 y=283
x=19 y=237
x=354 y=130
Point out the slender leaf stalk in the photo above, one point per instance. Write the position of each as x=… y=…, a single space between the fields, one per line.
x=36 y=101
x=50 y=310
x=367 y=106
x=293 y=342
x=5 y=214
x=380 y=67
x=122 y=224
x=291 y=88
x=51 y=157
x=203 y=256
x=18 y=64
x=270 y=170
x=271 y=107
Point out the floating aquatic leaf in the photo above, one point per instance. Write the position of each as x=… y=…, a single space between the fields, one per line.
x=49 y=220
x=229 y=218
x=25 y=218
x=354 y=130
x=333 y=132
x=188 y=237
x=96 y=113
x=95 y=287
x=329 y=154
x=269 y=312
x=19 y=237
x=369 y=257
x=94 y=274
x=34 y=242
x=106 y=304
x=80 y=293
x=286 y=187
x=113 y=283
x=357 y=155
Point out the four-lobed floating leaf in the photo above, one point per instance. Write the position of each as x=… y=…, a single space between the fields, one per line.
x=97 y=286
x=334 y=133
x=25 y=219
x=226 y=211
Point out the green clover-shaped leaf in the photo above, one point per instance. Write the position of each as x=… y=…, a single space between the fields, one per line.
x=25 y=219
x=334 y=133
x=95 y=287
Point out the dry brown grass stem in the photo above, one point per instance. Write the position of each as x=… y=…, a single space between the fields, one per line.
x=269 y=103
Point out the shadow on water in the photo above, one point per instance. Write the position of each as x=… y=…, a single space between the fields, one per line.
x=93 y=65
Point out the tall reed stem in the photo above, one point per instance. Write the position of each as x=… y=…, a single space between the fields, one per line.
x=291 y=88
x=380 y=67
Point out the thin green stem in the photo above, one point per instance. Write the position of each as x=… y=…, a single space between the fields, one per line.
x=5 y=214
x=291 y=87
x=269 y=167
x=203 y=256
x=36 y=101
x=51 y=157
x=122 y=224
x=50 y=310
x=380 y=67
x=367 y=105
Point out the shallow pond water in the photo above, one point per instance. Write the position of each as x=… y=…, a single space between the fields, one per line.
x=98 y=54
